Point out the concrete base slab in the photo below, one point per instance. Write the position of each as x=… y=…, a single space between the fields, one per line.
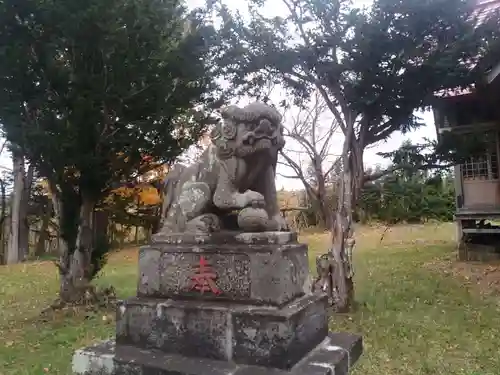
x=334 y=356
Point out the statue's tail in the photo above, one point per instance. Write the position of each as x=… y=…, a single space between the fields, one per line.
x=168 y=192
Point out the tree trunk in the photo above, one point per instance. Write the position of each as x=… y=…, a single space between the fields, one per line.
x=13 y=244
x=24 y=228
x=75 y=268
x=100 y=224
x=326 y=214
x=342 y=245
x=342 y=227
x=325 y=211
x=76 y=276
x=57 y=207
x=3 y=221
x=5 y=238
x=44 y=234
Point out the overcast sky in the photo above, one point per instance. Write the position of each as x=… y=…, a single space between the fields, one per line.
x=371 y=158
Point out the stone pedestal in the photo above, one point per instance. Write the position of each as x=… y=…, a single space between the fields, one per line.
x=229 y=303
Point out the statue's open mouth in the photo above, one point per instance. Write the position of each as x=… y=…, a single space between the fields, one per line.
x=257 y=140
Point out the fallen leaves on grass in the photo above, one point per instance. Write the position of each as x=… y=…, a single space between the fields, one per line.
x=415 y=320
x=484 y=277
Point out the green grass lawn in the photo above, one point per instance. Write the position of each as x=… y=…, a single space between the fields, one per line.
x=414 y=319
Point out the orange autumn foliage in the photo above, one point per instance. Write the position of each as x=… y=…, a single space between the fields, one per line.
x=145 y=193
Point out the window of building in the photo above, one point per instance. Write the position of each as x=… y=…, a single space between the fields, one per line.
x=484 y=167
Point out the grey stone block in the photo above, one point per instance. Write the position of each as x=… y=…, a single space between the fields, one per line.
x=280 y=339
x=95 y=360
x=277 y=277
x=328 y=358
x=174 y=327
x=178 y=269
x=255 y=335
x=224 y=238
x=262 y=273
x=121 y=319
x=149 y=271
x=351 y=344
x=335 y=356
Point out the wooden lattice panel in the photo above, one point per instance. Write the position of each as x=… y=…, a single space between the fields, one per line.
x=484 y=167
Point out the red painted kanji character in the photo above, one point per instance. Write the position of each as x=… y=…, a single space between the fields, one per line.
x=204 y=278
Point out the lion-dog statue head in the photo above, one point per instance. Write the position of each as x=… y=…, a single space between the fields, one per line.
x=247 y=131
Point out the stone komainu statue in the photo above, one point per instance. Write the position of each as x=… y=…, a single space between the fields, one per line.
x=236 y=171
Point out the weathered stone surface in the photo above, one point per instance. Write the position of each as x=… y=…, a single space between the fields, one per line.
x=177 y=269
x=175 y=327
x=280 y=339
x=273 y=274
x=232 y=332
x=279 y=277
x=121 y=320
x=334 y=356
x=225 y=237
x=278 y=238
x=95 y=360
x=149 y=271
x=351 y=345
x=252 y=219
x=236 y=171
x=154 y=363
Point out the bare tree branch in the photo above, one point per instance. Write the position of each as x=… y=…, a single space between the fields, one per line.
x=293 y=177
x=307 y=131
x=292 y=7
x=326 y=144
x=335 y=164
x=3 y=146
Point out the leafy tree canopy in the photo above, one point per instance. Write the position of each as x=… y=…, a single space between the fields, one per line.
x=450 y=149
x=88 y=87
x=91 y=91
x=373 y=66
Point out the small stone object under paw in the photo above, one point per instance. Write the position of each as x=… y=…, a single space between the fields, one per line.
x=252 y=219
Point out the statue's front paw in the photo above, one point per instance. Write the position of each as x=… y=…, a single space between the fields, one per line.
x=254 y=199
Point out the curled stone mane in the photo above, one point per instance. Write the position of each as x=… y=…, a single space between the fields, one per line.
x=221 y=143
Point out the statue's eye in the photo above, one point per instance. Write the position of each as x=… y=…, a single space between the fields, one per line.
x=251 y=125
